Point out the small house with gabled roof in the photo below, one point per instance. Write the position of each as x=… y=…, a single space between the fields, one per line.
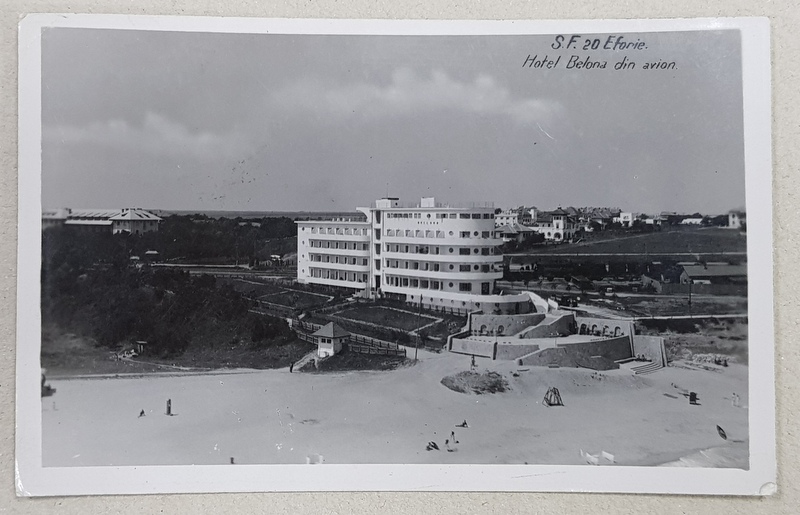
x=330 y=339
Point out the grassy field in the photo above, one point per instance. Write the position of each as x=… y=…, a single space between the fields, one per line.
x=666 y=242
x=387 y=317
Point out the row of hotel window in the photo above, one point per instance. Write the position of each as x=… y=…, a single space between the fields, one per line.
x=408 y=233
x=411 y=282
x=463 y=216
x=407 y=265
x=341 y=245
x=395 y=247
x=435 y=267
x=346 y=231
x=400 y=282
x=427 y=249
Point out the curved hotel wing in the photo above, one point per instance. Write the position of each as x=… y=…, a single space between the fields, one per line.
x=443 y=256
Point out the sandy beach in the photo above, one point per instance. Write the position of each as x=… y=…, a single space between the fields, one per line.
x=267 y=417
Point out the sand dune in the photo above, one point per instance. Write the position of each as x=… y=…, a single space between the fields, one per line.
x=388 y=417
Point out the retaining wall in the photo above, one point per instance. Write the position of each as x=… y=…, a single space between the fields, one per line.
x=562 y=325
x=652 y=347
x=625 y=327
x=512 y=324
x=510 y=352
x=580 y=354
x=483 y=349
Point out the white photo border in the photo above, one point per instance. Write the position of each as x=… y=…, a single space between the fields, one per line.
x=32 y=479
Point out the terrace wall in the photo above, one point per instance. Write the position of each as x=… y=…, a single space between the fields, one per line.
x=507 y=351
x=652 y=347
x=483 y=349
x=562 y=325
x=512 y=324
x=582 y=354
x=624 y=327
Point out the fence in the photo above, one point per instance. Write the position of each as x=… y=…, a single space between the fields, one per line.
x=356 y=342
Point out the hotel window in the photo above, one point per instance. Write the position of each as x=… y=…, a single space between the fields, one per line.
x=464 y=216
x=464 y=286
x=453 y=215
x=436 y=267
x=487 y=216
x=463 y=252
x=313 y=230
x=476 y=216
x=464 y=234
x=485 y=268
x=423 y=283
x=463 y=268
x=486 y=234
x=415 y=283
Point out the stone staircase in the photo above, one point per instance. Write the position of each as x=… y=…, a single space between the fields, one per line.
x=646 y=368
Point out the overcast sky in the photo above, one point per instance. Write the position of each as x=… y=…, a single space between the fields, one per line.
x=290 y=122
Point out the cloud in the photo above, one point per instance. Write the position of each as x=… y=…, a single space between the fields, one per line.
x=409 y=93
x=157 y=135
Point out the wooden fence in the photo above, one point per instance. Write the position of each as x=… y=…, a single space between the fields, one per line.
x=356 y=342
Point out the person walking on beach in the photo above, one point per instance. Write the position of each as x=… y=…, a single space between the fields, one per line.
x=141 y=414
x=472 y=365
x=291 y=367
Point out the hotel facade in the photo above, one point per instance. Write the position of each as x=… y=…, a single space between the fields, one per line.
x=441 y=256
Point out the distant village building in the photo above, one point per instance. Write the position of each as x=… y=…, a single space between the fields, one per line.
x=556 y=225
x=714 y=274
x=130 y=220
x=737 y=219
x=626 y=219
x=709 y=278
x=692 y=220
x=515 y=232
x=518 y=216
x=330 y=339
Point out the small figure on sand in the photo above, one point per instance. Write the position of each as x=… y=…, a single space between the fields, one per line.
x=169 y=407
x=463 y=424
x=431 y=446
x=291 y=367
x=453 y=436
x=447 y=446
x=473 y=365
x=141 y=414
x=735 y=400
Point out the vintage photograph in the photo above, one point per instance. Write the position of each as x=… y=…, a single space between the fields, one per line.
x=333 y=244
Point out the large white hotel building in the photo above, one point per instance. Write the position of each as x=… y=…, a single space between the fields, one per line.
x=442 y=256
